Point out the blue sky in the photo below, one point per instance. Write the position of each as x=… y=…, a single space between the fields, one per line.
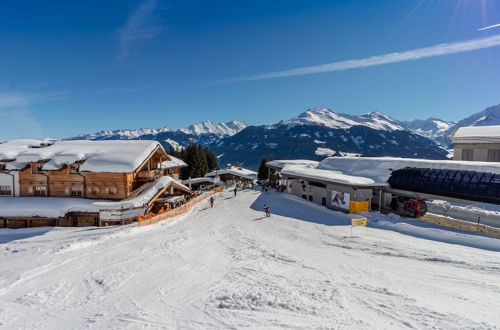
x=69 y=67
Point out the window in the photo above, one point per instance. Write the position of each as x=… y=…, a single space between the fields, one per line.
x=93 y=190
x=76 y=191
x=317 y=184
x=494 y=155
x=323 y=201
x=2 y=166
x=311 y=198
x=36 y=168
x=111 y=191
x=40 y=191
x=74 y=168
x=5 y=191
x=468 y=154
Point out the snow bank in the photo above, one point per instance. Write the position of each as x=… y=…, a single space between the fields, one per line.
x=379 y=169
x=97 y=156
x=486 y=214
x=325 y=175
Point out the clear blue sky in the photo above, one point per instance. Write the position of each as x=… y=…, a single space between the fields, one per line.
x=68 y=67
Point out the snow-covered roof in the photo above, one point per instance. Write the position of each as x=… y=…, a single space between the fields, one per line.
x=236 y=171
x=119 y=156
x=55 y=207
x=173 y=163
x=199 y=180
x=379 y=169
x=308 y=172
x=12 y=148
x=280 y=163
x=477 y=134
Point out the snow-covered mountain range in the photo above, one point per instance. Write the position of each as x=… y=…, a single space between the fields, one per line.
x=332 y=119
x=206 y=127
x=317 y=133
x=313 y=134
x=432 y=128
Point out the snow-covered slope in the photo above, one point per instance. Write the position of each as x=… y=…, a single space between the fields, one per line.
x=231 y=268
x=332 y=119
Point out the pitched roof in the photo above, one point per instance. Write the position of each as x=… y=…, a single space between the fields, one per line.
x=477 y=134
x=117 y=156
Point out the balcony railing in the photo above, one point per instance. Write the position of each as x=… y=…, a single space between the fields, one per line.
x=147 y=175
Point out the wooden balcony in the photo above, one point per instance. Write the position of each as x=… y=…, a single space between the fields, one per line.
x=149 y=175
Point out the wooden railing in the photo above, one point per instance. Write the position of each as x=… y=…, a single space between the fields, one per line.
x=153 y=218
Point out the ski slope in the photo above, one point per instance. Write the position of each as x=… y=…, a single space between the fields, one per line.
x=231 y=268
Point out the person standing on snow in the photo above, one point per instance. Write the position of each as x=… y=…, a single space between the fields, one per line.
x=212 y=201
x=235 y=191
x=266 y=210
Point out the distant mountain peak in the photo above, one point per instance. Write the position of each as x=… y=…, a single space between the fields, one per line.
x=333 y=119
x=221 y=129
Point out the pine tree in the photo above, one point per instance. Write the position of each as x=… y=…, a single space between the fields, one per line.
x=262 y=174
x=200 y=161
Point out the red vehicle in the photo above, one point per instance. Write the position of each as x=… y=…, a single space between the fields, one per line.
x=415 y=208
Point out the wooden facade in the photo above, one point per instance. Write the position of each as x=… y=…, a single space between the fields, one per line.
x=68 y=181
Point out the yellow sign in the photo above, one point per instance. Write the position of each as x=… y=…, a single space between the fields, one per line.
x=359 y=222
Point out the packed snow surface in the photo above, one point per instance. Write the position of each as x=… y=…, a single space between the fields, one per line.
x=379 y=169
x=97 y=156
x=231 y=268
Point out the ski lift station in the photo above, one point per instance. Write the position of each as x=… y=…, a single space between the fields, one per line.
x=355 y=184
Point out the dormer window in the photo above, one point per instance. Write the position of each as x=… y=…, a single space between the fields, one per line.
x=36 y=168
x=74 y=168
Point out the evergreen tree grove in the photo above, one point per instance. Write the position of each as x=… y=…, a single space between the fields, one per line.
x=200 y=160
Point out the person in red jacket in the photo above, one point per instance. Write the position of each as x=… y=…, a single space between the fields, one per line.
x=266 y=210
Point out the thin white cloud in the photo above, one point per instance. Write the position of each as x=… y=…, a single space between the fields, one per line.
x=489 y=27
x=411 y=55
x=141 y=25
x=14 y=100
x=16 y=119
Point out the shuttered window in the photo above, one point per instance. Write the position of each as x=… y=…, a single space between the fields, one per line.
x=494 y=155
x=468 y=154
x=5 y=191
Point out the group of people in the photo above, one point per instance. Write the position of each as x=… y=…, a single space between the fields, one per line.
x=211 y=201
x=268 y=185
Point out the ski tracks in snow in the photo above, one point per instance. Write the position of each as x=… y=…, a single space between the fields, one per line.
x=219 y=269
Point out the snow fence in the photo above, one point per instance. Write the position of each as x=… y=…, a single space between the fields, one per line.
x=153 y=218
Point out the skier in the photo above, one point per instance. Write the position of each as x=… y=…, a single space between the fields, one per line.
x=235 y=191
x=266 y=210
x=212 y=201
